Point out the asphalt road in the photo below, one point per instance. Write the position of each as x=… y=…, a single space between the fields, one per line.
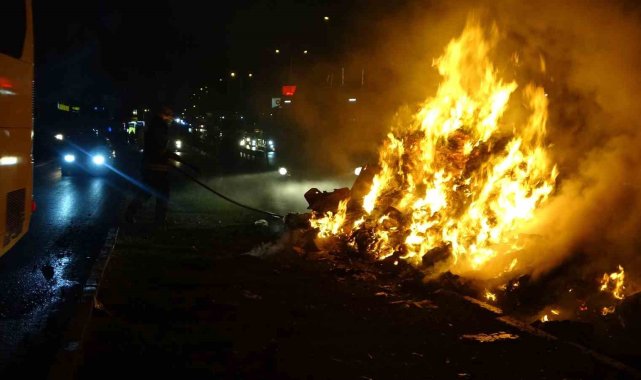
x=41 y=277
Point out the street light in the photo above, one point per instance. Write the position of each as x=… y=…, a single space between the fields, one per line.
x=326 y=18
x=304 y=51
x=233 y=74
x=277 y=51
x=250 y=75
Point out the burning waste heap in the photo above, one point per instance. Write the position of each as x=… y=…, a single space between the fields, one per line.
x=457 y=185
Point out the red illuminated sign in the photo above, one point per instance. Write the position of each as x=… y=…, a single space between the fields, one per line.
x=289 y=90
x=6 y=83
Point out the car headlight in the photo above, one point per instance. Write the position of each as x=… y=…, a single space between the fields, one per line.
x=282 y=171
x=69 y=158
x=98 y=159
x=59 y=137
x=179 y=144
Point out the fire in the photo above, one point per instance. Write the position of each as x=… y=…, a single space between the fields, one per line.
x=614 y=283
x=461 y=179
x=330 y=224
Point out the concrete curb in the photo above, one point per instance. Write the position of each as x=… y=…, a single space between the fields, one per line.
x=70 y=352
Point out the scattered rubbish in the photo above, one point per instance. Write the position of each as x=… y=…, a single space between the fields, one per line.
x=425 y=304
x=493 y=337
x=264 y=250
x=72 y=346
x=100 y=307
x=422 y=304
x=322 y=202
x=296 y=221
x=262 y=223
x=364 y=276
x=252 y=296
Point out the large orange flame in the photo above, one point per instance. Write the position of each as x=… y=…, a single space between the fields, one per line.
x=463 y=181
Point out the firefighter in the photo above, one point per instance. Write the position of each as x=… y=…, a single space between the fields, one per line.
x=155 y=167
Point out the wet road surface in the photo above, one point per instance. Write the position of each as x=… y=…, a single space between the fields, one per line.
x=42 y=276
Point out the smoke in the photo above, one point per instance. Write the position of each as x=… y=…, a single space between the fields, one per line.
x=587 y=56
x=592 y=58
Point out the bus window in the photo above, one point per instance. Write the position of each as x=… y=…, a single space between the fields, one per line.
x=13 y=27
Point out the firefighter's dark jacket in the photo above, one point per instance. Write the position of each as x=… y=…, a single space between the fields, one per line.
x=156 y=156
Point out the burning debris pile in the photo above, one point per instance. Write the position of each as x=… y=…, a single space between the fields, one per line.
x=457 y=182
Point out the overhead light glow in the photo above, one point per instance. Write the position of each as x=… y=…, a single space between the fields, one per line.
x=357 y=171
x=352 y=100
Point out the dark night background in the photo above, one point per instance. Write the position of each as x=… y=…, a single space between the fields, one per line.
x=136 y=51
x=122 y=55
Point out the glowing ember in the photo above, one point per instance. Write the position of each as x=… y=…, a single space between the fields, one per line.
x=456 y=183
x=614 y=283
x=607 y=310
x=490 y=296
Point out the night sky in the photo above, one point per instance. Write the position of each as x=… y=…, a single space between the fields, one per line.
x=138 y=52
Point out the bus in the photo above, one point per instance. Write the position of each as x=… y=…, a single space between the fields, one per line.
x=16 y=121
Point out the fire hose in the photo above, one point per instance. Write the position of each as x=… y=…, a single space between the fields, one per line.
x=191 y=177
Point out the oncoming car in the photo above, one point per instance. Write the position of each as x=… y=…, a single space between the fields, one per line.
x=86 y=153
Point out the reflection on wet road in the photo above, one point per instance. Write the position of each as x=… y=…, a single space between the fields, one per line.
x=44 y=273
